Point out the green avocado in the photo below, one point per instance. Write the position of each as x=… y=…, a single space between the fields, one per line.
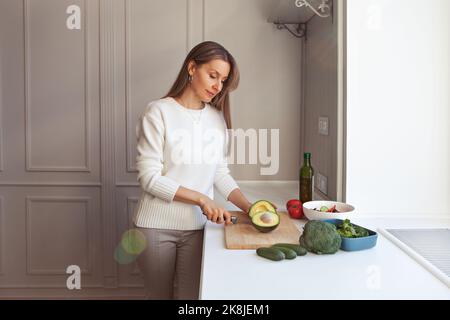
x=266 y=221
x=260 y=206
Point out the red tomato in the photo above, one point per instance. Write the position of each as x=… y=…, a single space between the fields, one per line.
x=291 y=202
x=296 y=211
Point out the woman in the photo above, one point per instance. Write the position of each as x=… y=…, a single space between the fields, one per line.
x=182 y=143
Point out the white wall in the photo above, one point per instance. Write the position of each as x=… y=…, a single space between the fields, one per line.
x=398 y=138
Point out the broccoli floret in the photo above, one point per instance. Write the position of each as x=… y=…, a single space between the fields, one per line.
x=320 y=237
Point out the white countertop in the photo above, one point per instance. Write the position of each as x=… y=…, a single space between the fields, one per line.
x=383 y=272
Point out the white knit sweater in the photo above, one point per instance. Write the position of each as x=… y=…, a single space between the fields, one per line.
x=177 y=147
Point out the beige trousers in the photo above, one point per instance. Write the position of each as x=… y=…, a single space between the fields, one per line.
x=171 y=263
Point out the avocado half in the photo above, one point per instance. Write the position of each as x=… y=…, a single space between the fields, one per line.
x=266 y=221
x=264 y=216
x=261 y=206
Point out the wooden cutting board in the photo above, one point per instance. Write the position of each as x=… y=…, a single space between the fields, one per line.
x=243 y=235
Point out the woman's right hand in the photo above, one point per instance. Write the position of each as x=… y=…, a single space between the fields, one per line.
x=214 y=212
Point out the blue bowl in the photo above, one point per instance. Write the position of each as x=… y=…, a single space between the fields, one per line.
x=356 y=244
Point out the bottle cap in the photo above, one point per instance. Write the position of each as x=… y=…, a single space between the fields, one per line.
x=307 y=155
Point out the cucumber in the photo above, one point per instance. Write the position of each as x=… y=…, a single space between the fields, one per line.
x=299 y=250
x=271 y=254
x=288 y=253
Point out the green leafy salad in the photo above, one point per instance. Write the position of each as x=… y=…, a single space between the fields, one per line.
x=348 y=230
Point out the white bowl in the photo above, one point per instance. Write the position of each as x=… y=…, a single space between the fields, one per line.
x=346 y=211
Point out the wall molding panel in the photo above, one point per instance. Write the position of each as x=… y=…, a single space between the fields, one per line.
x=2 y=235
x=31 y=209
x=130 y=163
x=49 y=184
x=1 y=122
x=29 y=103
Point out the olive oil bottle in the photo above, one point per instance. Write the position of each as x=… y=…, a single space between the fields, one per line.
x=306 y=179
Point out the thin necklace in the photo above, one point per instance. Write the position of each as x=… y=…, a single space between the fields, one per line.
x=191 y=113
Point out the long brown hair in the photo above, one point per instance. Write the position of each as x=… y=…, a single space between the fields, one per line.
x=201 y=54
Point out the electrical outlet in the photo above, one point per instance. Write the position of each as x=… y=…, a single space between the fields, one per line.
x=323 y=126
x=322 y=183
